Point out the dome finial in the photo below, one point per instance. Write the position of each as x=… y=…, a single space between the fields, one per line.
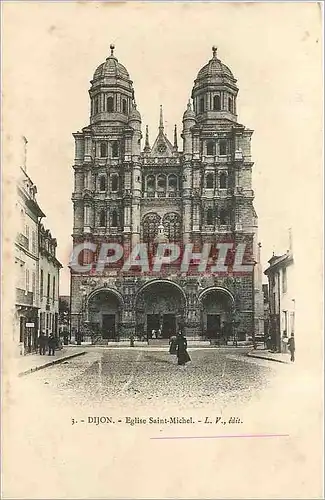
x=214 y=51
x=112 y=47
x=147 y=148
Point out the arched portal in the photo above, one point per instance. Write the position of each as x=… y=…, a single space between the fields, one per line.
x=104 y=313
x=160 y=308
x=217 y=308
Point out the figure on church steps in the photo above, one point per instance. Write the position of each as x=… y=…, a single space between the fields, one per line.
x=181 y=349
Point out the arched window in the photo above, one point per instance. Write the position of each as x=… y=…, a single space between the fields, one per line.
x=110 y=104
x=172 y=224
x=209 y=217
x=115 y=182
x=151 y=185
x=209 y=181
x=96 y=105
x=102 y=218
x=161 y=183
x=150 y=223
x=201 y=105
x=172 y=182
x=222 y=147
x=216 y=103
x=223 y=217
x=103 y=149
x=114 y=218
x=115 y=149
x=124 y=107
x=230 y=105
x=211 y=148
x=102 y=183
x=223 y=180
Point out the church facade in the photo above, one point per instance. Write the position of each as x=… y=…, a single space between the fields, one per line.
x=130 y=194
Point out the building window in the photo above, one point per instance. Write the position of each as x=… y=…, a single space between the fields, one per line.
x=124 y=107
x=102 y=183
x=33 y=242
x=102 y=218
x=223 y=217
x=41 y=284
x=48 y=285
x=150 y=223
x=285 y=322
x=110 y=104
x=230 y=105
x=172 y=183
x=115 y=183
x=33 y=282
x=114 y=218
x=115 y=149
x=161 y=183
x=27 y=280
x=284 y=280
x=209 y=217
x=96 y=105
x=209 y=181
x=103 y=149
x=151 y=184
x=222 y=147
x=223 y=180
x=216 y=103
x=211 y=148
x=53 y=290
x=201 y=105
x=172 y=225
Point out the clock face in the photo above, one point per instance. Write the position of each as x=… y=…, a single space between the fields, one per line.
x=162 y=148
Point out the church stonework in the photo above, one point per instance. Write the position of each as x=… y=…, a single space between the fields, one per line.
x=129 y=194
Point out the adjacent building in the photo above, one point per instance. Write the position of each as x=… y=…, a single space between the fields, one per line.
x=281 y=294
x=129 y=194
x=37 y=270
x=49 y=273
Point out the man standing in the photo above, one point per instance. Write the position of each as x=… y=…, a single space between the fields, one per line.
x=52 y=343
x=292 y=347
x=42 y=343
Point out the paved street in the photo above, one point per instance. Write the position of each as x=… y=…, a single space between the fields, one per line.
x=153 y=377
x=276 y=406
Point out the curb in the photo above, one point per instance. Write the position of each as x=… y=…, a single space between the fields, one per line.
x=51 y=363
x=251 y=355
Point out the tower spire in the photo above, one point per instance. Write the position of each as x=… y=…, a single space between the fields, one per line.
x=175 y=138
x=147 y=148
x=161 y=120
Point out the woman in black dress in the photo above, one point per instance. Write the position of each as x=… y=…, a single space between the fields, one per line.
x=181 y=349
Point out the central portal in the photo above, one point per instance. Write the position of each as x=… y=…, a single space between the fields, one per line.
x=160 y=305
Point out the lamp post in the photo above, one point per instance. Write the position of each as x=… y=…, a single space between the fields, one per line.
x=235 y=318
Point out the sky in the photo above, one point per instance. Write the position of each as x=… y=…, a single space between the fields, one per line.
x=51 y=50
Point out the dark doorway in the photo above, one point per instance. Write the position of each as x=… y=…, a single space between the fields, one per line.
x=213 y=325
x=169 y=325
x=153 y=323
x=109 y=330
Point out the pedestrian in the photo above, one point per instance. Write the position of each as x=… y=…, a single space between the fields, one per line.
x=42 y=340
x=131 y=340
x=292 y=347
x=52 y=344
x=173 y=345
x=153 y=334
x=181 y=349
